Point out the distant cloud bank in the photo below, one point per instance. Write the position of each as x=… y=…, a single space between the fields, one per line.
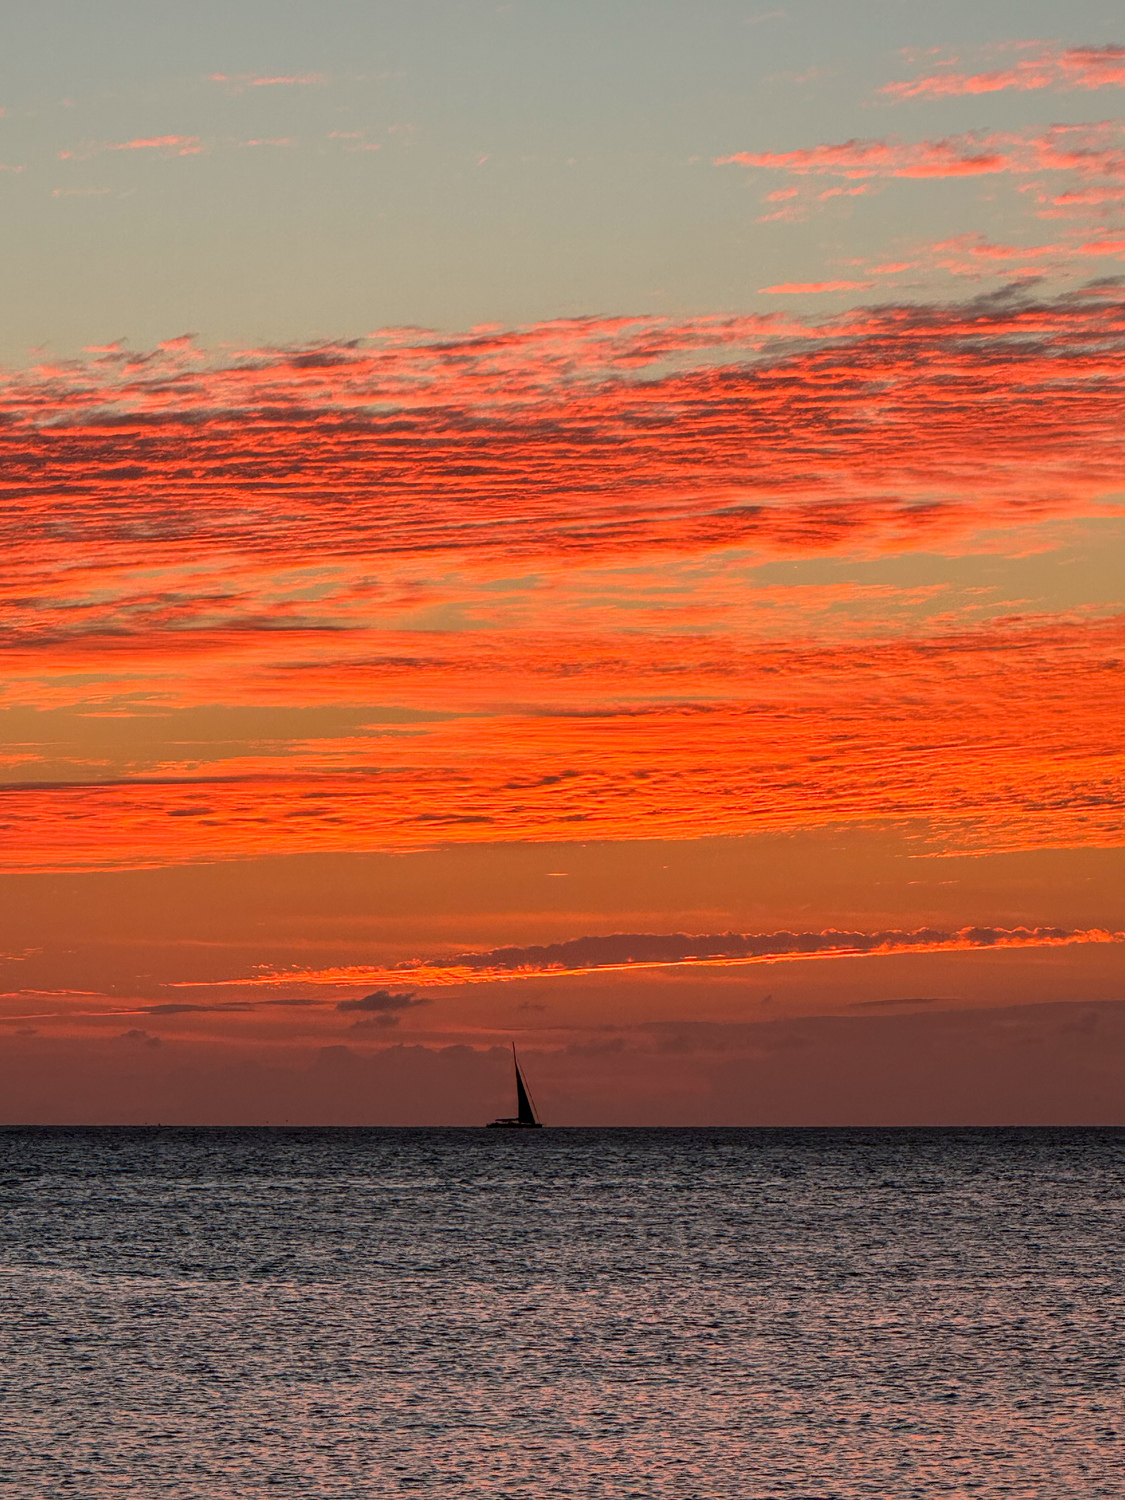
x=622 y=952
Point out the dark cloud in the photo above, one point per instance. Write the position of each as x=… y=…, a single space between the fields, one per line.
x=912 y=1000
x=623 y=950
x=179 y=1010
x=384 y=1009
x=141 y=1037
x=381 y=1000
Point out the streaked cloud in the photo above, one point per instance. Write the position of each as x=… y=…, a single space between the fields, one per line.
x=974 y=255
x=346 y=524
x=655 y=736
x=559 y=441
x=164 y=145
x=1093 y=149
x=1068 y=68
x=239 y=81
x=626 y=952
x=807 y=288
x=180 y=145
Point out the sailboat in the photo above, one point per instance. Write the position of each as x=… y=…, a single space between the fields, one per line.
x=525 y=1111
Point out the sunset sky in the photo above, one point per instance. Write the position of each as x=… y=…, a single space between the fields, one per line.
x=596 y=524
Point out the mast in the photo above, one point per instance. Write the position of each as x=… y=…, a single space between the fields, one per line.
x=525 y=1111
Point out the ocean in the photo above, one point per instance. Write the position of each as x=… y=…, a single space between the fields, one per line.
x=814 y=1314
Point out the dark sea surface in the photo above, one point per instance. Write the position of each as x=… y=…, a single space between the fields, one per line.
x=617 y=1313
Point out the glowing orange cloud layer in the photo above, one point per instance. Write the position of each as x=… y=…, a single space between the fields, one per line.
x=1072 y=68
x=180 y=531
x=891 y=427
x=986 y=740
x=622 y=952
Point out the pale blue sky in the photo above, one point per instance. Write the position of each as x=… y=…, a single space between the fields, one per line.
x=598 y=124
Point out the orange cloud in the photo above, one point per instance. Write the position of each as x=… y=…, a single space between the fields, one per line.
x=1091 y=196
x=625 y=952
x=182 y=145
x=1073 y=68
x=560 y=441
x=166 y=145
x=1087 y=149
x=973 y=255
x=183 y=531
x=1002 y=738
x=802 y=288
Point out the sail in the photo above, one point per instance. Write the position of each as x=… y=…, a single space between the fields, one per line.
x=524 y=1112
x=525 y=1108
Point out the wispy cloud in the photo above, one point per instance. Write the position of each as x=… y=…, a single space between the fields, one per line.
x=179 y=145
x=250 y=526
x=974 y=255
x=1022 y=747
x=164 y=145
x=1050 y=68
x=354 y=140
x=574 y=438
x=239 y=81
x=804 y=288
x=1086 y=149
x=628 y=952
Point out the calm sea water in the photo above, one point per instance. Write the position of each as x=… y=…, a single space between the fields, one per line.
x=618 y=1313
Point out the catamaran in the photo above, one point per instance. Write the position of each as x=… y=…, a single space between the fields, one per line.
x=526 y=1117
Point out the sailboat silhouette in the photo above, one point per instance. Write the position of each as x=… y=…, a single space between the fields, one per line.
x=525 y=1110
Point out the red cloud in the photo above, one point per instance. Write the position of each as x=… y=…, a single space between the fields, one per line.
x=795 y=288
x=875 y=158
x=623 y=952
x=558 y=441
x=1001 y=738
x=1091 y=196
x=179 y=530
x=1087 y=149
x=177 y=145
x=974 y=256
x=1074 y=68
x=167 y=145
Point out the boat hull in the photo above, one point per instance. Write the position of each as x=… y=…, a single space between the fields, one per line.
x=513 y=1125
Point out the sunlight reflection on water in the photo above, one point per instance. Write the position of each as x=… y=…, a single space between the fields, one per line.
x=608 y=1313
